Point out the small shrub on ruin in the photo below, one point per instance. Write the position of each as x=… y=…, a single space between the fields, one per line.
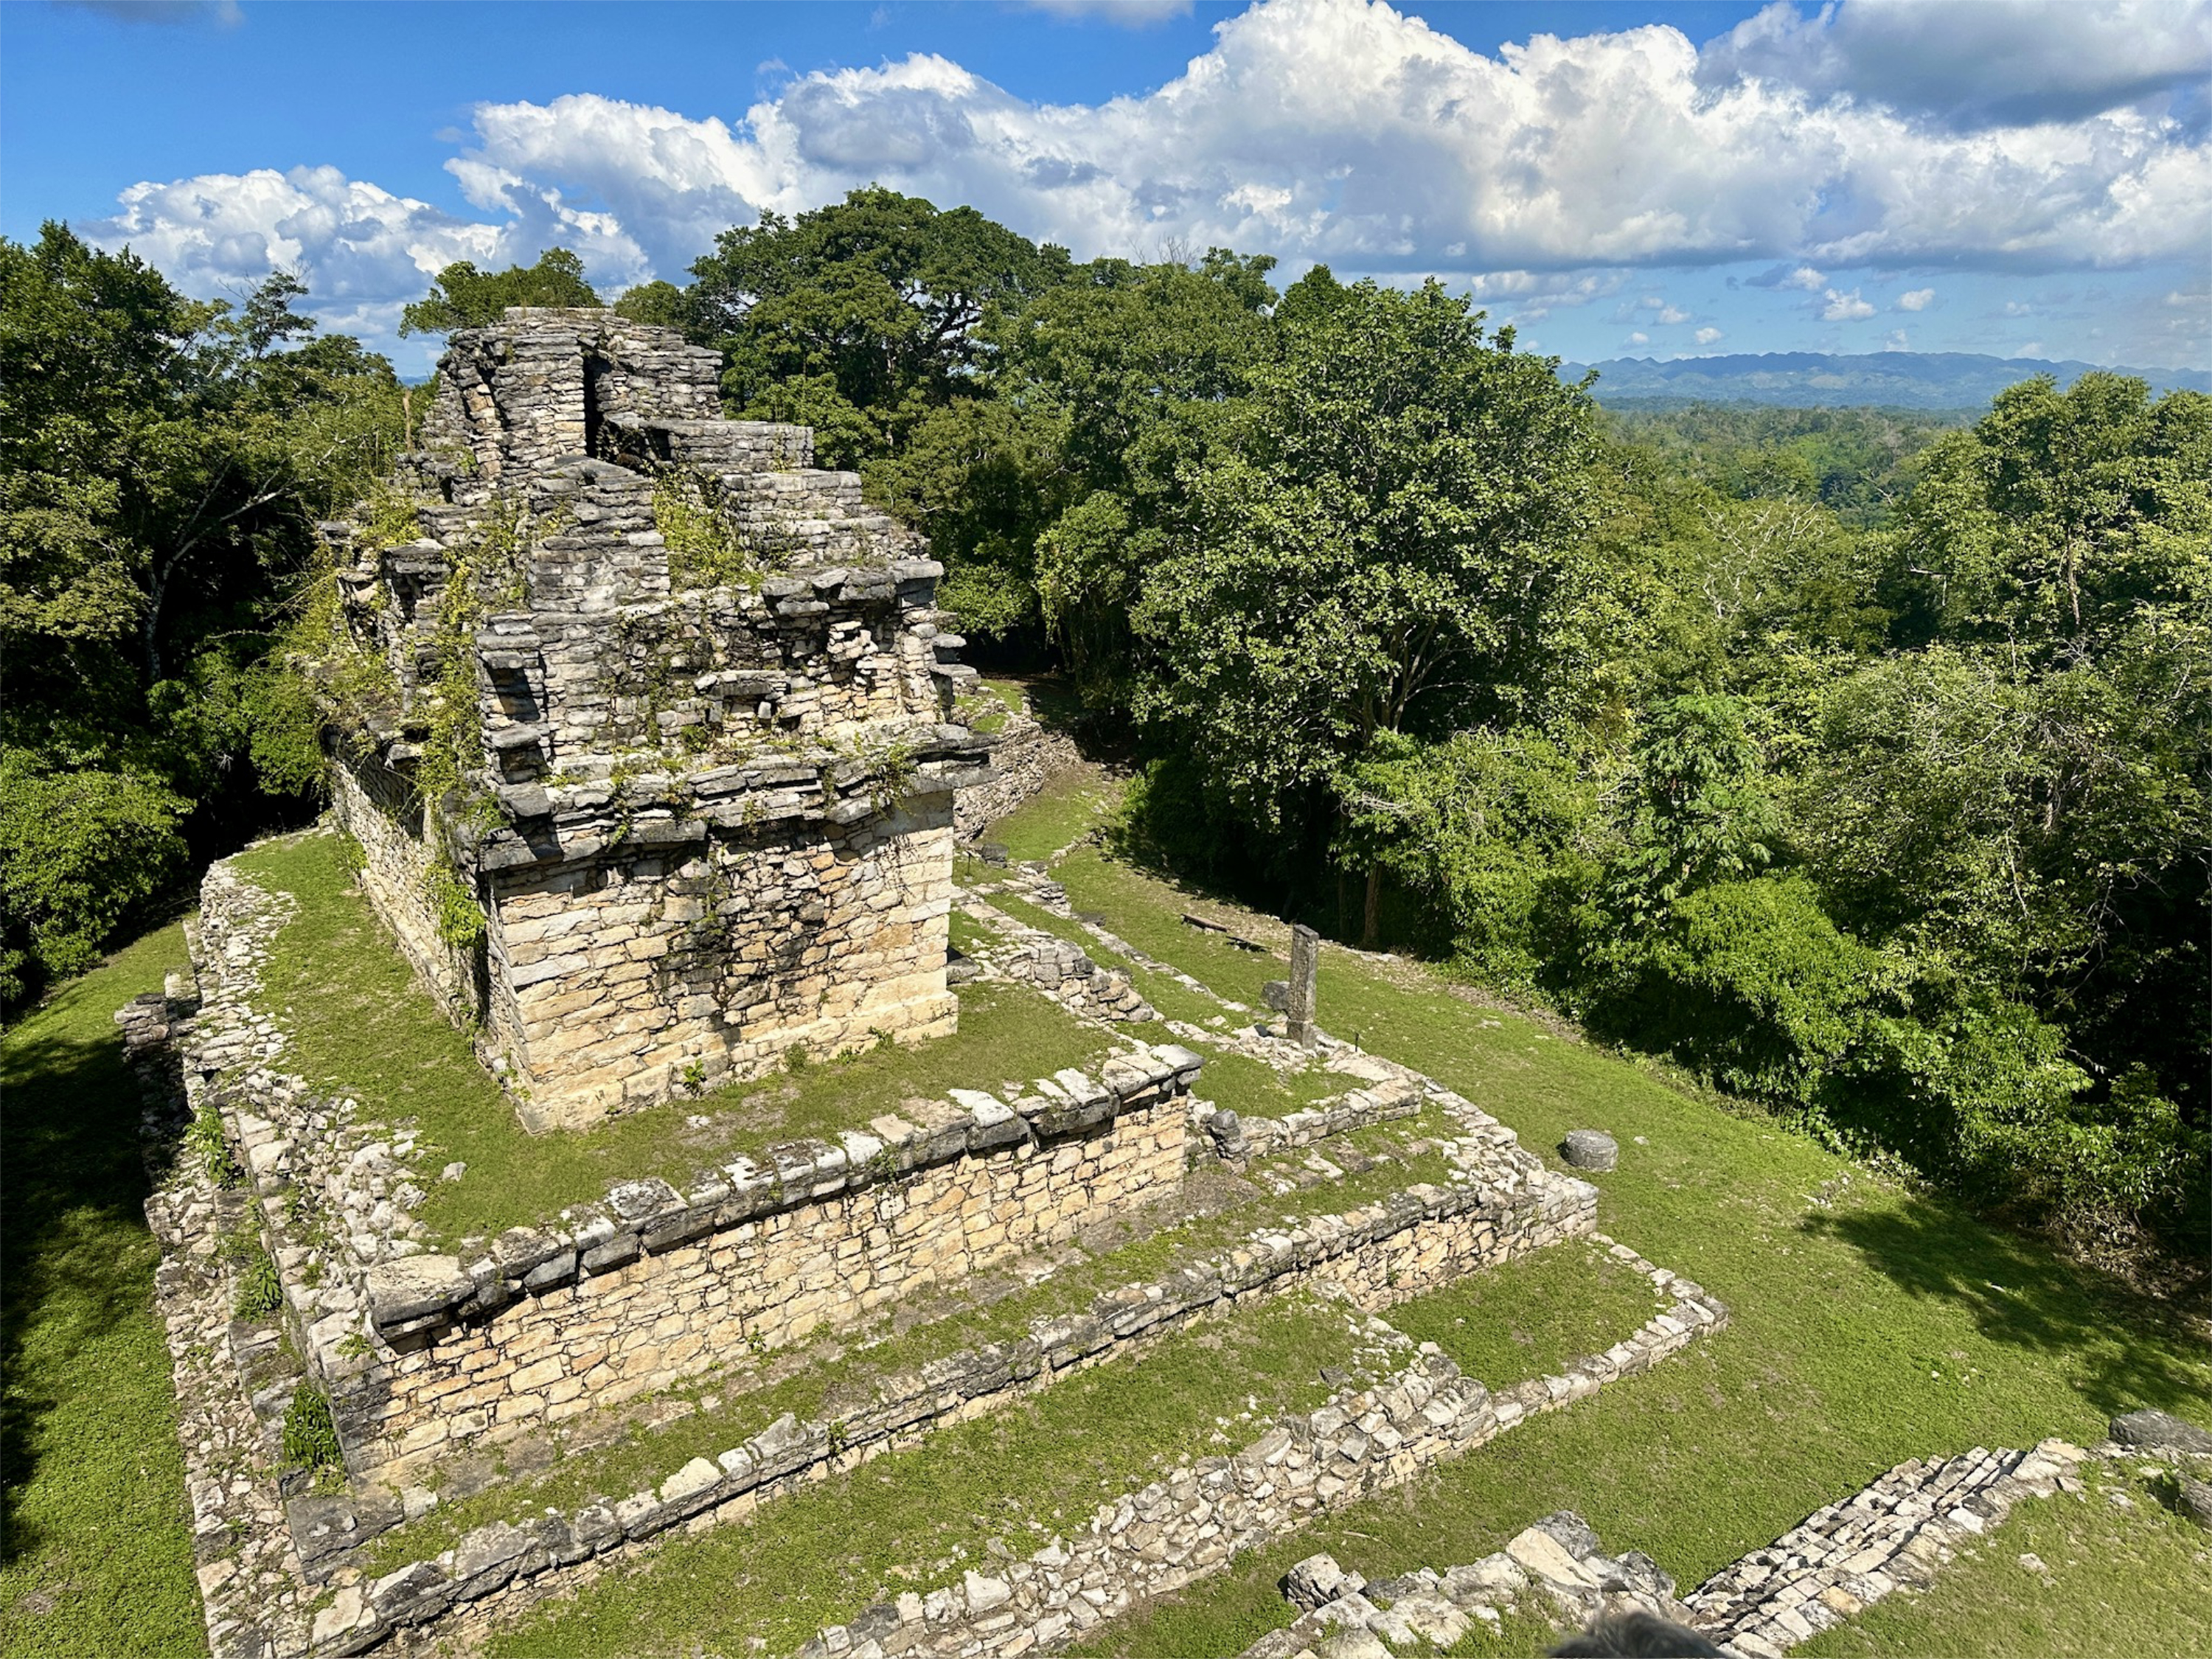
x=310 y=1434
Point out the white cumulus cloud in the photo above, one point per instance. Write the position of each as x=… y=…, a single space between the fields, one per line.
x=1979 y=63
x=1844 y=308
x=1918 y=299
x=1707 y=336
x=1315 y=130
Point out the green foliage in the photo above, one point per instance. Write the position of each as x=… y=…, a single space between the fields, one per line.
x=1385 y=548
x=461 y=923
x=311 y=1436
x=858 y=318
x=707 y=547
x=260 y=1292
x=80 y=851
x=461 y=297
x=162 y=464
x=206 y=1142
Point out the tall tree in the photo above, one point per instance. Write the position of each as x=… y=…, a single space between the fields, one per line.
x=1389 y=546
x=161 y=464
x=860 y=318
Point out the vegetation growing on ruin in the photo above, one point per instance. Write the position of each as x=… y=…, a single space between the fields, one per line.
x=360 y=1023
x=707 y=546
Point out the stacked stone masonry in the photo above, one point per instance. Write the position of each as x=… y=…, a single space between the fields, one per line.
x=1419 y=1240
x=706 y=812
x=1025 y=758
x=1191 y=1522
x=423 y=1353
x=1896 y=1532
x=1555 y=1565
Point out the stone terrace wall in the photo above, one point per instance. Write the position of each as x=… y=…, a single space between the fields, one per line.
x=1413 y=1241
x=420 y=1350
x=1191 y=1522
x=1024 y=759
x=615 y=1314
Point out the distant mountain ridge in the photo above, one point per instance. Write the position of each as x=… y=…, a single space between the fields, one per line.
x=1899 y=380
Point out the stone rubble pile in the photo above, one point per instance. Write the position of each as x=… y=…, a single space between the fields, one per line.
x=1065 y=973
x=1558 y=1559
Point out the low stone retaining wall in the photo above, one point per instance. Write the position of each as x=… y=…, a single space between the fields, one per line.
x=422 y=1353
x=1417 y=1240
x=1896 y=1532
x=1558 y=1560
x=1195 y=1520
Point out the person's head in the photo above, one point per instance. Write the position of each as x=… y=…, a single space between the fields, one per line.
x=1635 y=1636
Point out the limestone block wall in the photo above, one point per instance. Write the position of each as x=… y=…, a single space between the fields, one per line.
x=377 y=808
x=653 y=1315
x=679 y=965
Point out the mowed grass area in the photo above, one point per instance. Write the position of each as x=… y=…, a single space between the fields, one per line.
x=1534 y=1316
x=361 y=1022
x=915 y=1519
x=1073 y=803
x=1871 y=1324
x=95 y=1553
x=2062 y=1576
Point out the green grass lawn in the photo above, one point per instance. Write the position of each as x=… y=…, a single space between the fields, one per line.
x=915 y=1519
x=360 y=1022
x=1871 y=1324
x=2062 y=1576
x=96 y=1554
x=1534 y=1317
x=1070 y=806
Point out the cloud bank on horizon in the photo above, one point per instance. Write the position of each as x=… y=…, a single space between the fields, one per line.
x=1875 y=135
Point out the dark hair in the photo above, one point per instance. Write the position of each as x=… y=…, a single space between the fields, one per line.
x=1635 y=1636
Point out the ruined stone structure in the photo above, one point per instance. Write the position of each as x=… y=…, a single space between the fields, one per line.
x=647 y=726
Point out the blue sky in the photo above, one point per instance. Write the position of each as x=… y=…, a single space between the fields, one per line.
x=2006 y=176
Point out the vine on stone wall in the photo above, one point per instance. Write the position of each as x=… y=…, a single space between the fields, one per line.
x=708 y=544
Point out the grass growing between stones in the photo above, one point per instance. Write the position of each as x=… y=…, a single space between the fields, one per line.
x=360 y=1023
x=1872 y=1324
x=917 y=1518
x=2084 y=1578
x=98 y=1552
x=839 y=1373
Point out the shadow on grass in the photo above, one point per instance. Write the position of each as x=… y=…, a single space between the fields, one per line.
x=2021 y=1296
x=72 y=1183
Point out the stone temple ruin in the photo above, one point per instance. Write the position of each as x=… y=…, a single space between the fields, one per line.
x=658 y=785
x=646 y=734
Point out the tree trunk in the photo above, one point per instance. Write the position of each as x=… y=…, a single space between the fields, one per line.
x=1372 y=925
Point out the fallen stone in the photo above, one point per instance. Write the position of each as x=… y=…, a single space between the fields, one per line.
x=1318 y=1580
x=2196 y=1501
x=2156 y=1430
x=1590 y=1148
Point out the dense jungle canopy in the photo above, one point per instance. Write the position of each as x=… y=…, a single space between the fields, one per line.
x=1859 y=762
